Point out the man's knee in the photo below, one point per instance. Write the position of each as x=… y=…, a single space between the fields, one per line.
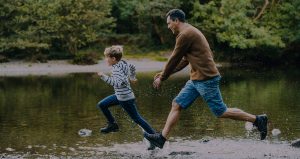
x=224 y=113
x=176 y=107
x=220 y=110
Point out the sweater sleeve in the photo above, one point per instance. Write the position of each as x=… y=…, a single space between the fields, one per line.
x=115 y=79
x=132 y=73
x=182 y=64
x=181 y=46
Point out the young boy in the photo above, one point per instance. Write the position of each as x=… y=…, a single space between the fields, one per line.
x=122 y=72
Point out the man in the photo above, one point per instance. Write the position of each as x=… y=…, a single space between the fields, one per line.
x=192 y=48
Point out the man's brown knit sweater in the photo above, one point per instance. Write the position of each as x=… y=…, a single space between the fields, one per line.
x=191 y=48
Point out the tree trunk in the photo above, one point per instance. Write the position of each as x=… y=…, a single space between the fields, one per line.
x=262 y=10
x=157 y=32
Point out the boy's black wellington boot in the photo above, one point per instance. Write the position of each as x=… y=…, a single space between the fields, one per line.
x=111 y=127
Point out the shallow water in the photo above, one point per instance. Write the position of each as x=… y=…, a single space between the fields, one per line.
x=40 y=116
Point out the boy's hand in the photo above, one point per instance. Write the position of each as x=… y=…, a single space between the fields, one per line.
x=100 y=74
x=134 y=81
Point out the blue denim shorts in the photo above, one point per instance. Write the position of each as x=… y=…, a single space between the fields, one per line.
x=207 y=89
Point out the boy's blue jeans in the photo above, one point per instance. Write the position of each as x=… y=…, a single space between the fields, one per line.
x=129 y=106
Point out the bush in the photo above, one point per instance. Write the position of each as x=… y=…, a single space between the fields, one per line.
x=133 y=42
x=42 y=58
x=59 y=55
x=83 y=58
x=3 y=59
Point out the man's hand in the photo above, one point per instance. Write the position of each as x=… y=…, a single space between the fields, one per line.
x=157 y=83
x=157 y=76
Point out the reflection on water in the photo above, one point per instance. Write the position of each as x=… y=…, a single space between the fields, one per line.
x=41 y=115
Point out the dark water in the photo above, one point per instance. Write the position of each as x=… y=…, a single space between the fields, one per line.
x=41 y=115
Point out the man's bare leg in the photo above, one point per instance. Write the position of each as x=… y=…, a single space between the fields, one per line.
x=159 y=139
x=260 y=121
x=172 y=119
x=237 y=114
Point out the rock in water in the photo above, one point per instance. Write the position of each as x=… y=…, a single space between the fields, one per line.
x=9 y=149
x=276 y=132
x=84 y=132
x=296 y=143
x=181 y=153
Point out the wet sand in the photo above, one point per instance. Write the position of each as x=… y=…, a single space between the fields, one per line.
x=177 y=148
x=60 y=67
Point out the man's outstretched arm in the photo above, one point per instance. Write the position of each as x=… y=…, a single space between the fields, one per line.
x=181 y=47
x=182 y=64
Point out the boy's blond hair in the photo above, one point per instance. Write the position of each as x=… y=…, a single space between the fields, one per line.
x=115 y=51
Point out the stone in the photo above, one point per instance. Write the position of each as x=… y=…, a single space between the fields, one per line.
x=84 y=132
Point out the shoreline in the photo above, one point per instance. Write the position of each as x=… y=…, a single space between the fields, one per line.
x=177 y=148
x=63 y=67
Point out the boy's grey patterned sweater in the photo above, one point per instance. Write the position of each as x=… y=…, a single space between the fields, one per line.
x=119 y=79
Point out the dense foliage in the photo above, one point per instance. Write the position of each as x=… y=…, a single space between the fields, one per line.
x=258 y=28
x=37 y=26
x=268 y=30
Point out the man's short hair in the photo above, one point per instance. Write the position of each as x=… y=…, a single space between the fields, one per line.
x=176 y=14
x=115 y=51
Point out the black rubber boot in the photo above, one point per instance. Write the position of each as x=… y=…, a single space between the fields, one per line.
x=261 y=123
x=151 y=147
x=111 y=127
x=156 y=139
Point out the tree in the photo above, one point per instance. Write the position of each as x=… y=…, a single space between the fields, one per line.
x=147 y=17
x=79 y=23
x=232 y=22
x=36 y=25
x=283 y=19
x=21 y=27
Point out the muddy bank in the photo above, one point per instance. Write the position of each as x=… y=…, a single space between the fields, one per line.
x=176 y=148
x=60 y=67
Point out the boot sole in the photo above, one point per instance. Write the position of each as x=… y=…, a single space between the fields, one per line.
x=106 y=132
x=151 y=148
x=153 y=142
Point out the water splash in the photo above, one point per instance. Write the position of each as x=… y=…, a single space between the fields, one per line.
x=276 y=132
x=249 y=126
x=10 y=149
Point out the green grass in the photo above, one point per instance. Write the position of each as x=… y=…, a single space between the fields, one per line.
x=132 y=52
x=153 y=55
